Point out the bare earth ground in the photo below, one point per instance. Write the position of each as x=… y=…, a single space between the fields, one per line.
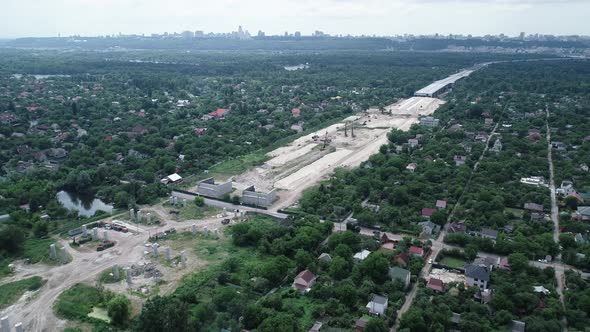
x=34 y=309
x=307 y=160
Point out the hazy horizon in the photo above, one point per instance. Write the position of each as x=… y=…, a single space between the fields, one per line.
x=27 y=18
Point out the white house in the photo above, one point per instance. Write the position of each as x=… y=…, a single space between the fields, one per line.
x=377 y=305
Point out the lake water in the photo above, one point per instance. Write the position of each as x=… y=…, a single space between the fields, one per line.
x=86 y=206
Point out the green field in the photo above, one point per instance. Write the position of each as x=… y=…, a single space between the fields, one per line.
x=238 y=165
x=452 y=262
x=12 y=291
x=106 y=276
x=37 y=251
x=191 y=211
x=77 y=302
x=101 y=314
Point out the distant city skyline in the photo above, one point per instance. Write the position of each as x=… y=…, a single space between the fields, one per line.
x=31 y=18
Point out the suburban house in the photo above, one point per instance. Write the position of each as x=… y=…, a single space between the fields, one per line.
x=377 y=305
x=428 y=228
x=385 y=238
x=397 y=273
x=497 y=146
x=429 y=121
x=416 y=251
x=402 y=259
x=483 y=295
x=304 y=280
x=487 y=261
x=428 y=212
x=441 y=204
x=361 y=255
x=477 y=276
x=566 y=188
x=532 y=207
x=324 y=257
x=412 y=167
x=359 y=325
x=413 y=143
x=459 y=160
x=436 y=285
x=296 y=112
x=172 y=178
x=517 y=326
x=388 y=245
x=582 y=213
x=456 y=227
x=559 y=146
x=316 y=327
x=218 y=113
x=485 y=233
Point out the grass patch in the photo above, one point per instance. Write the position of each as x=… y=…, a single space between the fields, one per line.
x=518 y=213
x=12 y=291
x=107 y=276
x=77 y=302
x=238 y=165
x=4 y=269
x=37 y=251
x=191 y=211
x=100 y=314
x=452 y=262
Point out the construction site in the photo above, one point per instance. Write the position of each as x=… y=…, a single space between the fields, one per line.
x=311 y=158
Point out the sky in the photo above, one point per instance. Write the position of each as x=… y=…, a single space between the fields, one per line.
x=48 y=18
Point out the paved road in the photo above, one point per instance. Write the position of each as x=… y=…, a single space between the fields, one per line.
x=231 y=207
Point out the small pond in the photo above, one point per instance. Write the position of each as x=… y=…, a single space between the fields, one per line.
x=85 y=205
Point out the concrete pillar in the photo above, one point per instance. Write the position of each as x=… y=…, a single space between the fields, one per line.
x=116 y=272
x=224 y=212
x=84 y=230
x=216 y=232
x=194 y=229
x=171 y=199
x=95 y=234
x=4 y=324
x=18 y=327
x=132 y=214
x=155 y=248
x=168 y=254
x=139 y=216
x=175 y=200
x=183 y=259
x=206 y=231
x=128 y=275
x=184 y=202
x=105 y=235
x=64 y=256
x=235 y=213
x=52 y=252
x=148 y=218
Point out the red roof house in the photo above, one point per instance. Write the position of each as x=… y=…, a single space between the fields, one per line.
x=219 y=113
x=436 y=285
x=416 y=251
x=428 y=212
x=296 y=112
x=402 y=259
x=304 y=280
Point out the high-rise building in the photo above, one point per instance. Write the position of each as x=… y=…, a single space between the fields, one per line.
x=297 y=34
x=521 y=36
x=261 y=33
x=199 y=34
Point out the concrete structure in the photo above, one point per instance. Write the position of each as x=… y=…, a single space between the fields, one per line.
x=18 y=327
x=84 y=230
x=183 y=259
x=105 y=235
x=4 y=324
x=194 y=229
x=52 y=252
x=116 y=272
x=184 y=202
x=128 y=275
x=148 y=217
x=95 y=234
x=64 y=255
x=440 y=86
x=206 y=231
x=263 y=199
x=209 y=188
x=216 y=232
x=155 y=248
x=132 y=214
x=139 y=216
x=168 y=254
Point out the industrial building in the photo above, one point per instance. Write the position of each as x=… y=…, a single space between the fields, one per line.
x=255 y=198
x=440 y=86
x=209 y=188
